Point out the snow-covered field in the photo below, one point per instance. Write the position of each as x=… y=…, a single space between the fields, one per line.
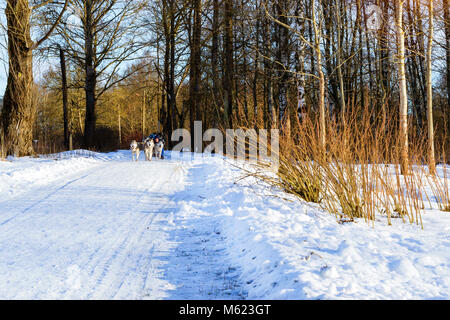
x=98 y=226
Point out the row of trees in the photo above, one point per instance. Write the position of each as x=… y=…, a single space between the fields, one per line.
x=261 y=63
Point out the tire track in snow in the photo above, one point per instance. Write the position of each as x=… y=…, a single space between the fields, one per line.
x=115 y=224
x=108 y=283
x=11 y=205
x=107 y=286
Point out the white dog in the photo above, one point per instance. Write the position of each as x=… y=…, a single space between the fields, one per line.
x=134 y=150
x=158 y=149
x=148 y=149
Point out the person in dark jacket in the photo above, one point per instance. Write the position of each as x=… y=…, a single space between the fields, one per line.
x=157 y=137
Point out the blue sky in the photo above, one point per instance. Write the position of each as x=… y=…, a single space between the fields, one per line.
x=2 y=82
x=38 y=65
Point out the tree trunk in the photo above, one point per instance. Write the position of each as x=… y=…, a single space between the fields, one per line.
x=218 y=101
x=339 y=68
x=159 y=94
x=91 y=79
x=446 y=5
x=229 y=66
x=172 y=102
x=18 y=111
x=369 y=59
x=300 y=59
x=329 y=53
x=255 y=77
x=403 y=110
x=384 y=51
x=119 y=124
x=64 y=98
x=165 y=108
x=283 y=75
x=312 y=63
x=244 y=73
x=268 y=66
x=194 y=78
x=431 y=161
x=421 y=69
x=144 y=111
x=414 y=62
x=322 y=123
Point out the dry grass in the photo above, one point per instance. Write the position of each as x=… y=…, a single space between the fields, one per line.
x=439 y=185
x=358 y=176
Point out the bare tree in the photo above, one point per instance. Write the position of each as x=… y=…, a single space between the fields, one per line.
x=216 y=92
x=270 y=114
x=315 y=45
x=318 y=51
x=446 y=5
x=403 y=108
x=431 y=161
x=339 y=63
x=18 y=112
x=195 y=60
x=283 y=52
x=64 y=89
x=101 y=36
x=300 y=59
x=228 y=85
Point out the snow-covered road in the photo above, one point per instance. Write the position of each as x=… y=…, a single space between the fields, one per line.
x=97 y=226
x=110 y=231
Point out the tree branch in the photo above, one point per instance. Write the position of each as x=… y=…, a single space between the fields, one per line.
x=47 y=35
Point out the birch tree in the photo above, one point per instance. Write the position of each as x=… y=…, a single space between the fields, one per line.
x=403 y=106
x=431 y=161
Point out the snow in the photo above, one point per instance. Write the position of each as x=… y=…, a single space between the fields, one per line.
x=83 y=225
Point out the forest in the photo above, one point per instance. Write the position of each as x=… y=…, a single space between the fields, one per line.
x=96 y=74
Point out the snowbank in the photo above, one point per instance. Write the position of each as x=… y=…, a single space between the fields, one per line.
x=288 y=249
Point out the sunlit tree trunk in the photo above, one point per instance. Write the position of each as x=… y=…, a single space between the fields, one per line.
x=403 y=108
x=228 y=86
x=322 y=123
x=18 y=112
x=431 y=160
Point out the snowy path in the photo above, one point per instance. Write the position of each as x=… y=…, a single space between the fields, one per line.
x=98 y=226
x=111 y=231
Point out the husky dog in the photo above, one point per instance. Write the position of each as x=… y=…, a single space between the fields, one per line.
x=134 y=150
x=159 y=145
x=148 y=149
